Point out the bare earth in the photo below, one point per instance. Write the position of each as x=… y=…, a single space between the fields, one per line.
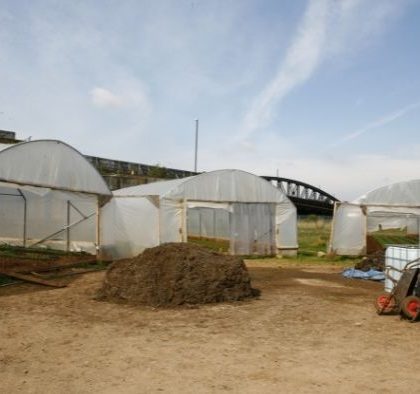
x=310 y=332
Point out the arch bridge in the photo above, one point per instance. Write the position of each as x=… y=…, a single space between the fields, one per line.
x=307 y=198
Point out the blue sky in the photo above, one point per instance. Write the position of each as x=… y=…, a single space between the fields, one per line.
x=324 y=91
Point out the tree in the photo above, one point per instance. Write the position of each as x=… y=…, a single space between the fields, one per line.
x=157 y=171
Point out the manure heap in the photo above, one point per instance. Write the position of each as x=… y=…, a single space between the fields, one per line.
x=175 y=274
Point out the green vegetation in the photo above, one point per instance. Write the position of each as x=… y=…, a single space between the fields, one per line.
x=157 y=171
x=218 y=245
x=394 y=237
x=313 y=237
x=60 y=271
x=34 y=253
x=82 y=261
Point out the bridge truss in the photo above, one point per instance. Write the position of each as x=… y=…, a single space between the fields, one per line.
x=307 y=198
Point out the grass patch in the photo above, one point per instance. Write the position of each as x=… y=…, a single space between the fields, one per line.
x=394 y=237
x=217 y=245
x=13 y=251
x=313 y=237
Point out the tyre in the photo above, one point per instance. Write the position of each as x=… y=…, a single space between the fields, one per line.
x=410 y=307
x=385 y=304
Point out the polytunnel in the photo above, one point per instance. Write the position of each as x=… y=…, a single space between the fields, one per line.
x=248 y=212
x=50 y=196
x=395 y=206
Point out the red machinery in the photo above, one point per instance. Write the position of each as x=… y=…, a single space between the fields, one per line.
x=405 y=295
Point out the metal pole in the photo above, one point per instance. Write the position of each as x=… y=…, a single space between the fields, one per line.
x=196 y=145
x=199 y=222
x=418 y=231
x=68 y=227
x=330 y=244
x=98 y=228
x=25 y=214
x=214 y=223
x=62 y=229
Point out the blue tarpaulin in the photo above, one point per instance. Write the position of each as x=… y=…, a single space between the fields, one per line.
x=358 y=274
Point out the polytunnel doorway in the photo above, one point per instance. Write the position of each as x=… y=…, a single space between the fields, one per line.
x=237 y=228
x=253 y=229
x=391 y=228
x=209 y=226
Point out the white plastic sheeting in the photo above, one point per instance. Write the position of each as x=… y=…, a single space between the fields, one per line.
x=396 y=194
x=50 y=163
x=4 y=146
x=49 y=196
x=253 y=228
x=386 y=221
x=209 y=222
x=396 y=259
x=132 y=224
x=48 y=213
x=349 y=230
x=393 y=206
x=228 y=204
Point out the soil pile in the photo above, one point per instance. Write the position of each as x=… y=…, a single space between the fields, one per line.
x=175 y=274
x=373 y=261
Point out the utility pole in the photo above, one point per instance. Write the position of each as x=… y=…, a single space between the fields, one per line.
x=196 y=145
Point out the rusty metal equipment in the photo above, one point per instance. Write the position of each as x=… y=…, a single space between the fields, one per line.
x=404 y=298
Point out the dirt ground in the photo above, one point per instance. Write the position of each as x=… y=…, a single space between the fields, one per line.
x=310 y=332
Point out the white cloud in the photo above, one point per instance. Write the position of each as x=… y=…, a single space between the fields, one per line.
x=382 y=121
x=302 y=58
x=132 y=96
x=328 y=28
x=103 y=98
x=355 y=24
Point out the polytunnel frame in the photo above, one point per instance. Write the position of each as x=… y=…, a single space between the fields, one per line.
x=170 y=192
x=101 y=198
x=66 y=228
x=229 y=203
x=364 y=208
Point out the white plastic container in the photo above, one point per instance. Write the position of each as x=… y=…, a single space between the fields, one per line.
x=396 y=258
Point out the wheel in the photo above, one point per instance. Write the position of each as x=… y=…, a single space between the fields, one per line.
x=410 y=307
x=385 y=304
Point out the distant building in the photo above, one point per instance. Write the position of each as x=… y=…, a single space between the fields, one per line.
x=8 y=137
